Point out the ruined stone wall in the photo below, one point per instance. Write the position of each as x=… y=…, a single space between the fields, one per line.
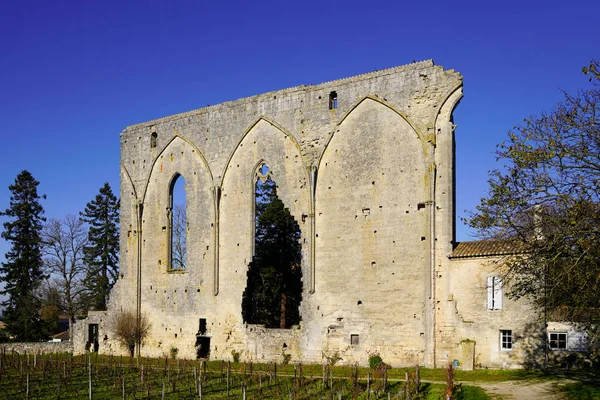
x=107 y=342
x=365 y=180
x=37 y=347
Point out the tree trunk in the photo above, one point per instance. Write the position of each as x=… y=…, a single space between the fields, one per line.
x=282 y=315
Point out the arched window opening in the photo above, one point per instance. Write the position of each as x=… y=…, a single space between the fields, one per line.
x=178 y=224
x=274 y=287
x=153 y=140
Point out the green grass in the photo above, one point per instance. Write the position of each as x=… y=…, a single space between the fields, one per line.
x=472 y=393
x=581 y=390
x=481 y=375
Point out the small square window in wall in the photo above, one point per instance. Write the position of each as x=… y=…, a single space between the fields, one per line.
x=202 y=328
x=506 y=339
x=333 y=100
x=558 y=340
x=354 y=340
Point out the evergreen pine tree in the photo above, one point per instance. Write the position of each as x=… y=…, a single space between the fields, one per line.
x=102 y=255
x=274 y=290
x=23 y=271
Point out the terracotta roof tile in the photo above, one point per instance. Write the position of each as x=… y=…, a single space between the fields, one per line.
x=63 y=335
x=485 y=248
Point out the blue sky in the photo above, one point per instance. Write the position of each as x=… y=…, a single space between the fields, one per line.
x=74 y=74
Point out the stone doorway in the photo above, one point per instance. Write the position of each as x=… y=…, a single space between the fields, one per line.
x=203 y=346
x=93 y=337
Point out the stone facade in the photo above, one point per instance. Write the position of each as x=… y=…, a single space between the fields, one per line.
x=366 y=167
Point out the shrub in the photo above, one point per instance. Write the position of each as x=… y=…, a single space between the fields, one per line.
x=173 y=352
x=236 y=356
x=374 y=358
x=127 y=331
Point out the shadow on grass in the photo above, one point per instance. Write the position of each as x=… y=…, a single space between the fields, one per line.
x=436 y=391
x=582 y=390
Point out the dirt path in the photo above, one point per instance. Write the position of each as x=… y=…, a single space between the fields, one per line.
x=526 y=390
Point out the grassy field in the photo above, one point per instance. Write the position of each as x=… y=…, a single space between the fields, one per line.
x=63 y=376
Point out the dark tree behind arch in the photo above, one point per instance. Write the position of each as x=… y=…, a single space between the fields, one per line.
x=274 y=289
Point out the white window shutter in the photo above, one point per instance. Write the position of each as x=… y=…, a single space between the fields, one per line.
x=497 y=293
x=490 y=292
x=576 y=341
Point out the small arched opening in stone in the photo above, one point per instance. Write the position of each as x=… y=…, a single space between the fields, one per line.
x=274 y=285
x=333 y=100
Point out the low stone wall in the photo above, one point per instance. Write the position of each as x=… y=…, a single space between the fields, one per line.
x=264 y=344
x=37 y=347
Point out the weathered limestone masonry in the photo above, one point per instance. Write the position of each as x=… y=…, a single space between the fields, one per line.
x=469 y=328
x=366 y=167
x=37 y=347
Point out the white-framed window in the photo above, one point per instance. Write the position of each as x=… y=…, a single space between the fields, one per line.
x=506 y=339
x=494 y=293
x=558 y=340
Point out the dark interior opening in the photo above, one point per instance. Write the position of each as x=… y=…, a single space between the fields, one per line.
x=93 y=337
x=333 y=100
x=203 y=345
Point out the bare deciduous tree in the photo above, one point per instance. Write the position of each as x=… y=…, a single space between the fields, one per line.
x=127 y=331
x=179 y=236
x=63 y=243
x=545 y=200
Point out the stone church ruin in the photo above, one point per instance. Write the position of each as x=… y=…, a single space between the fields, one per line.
x=364 y=168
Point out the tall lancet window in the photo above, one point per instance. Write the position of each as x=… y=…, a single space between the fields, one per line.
x=274 y=287
x=178 y=225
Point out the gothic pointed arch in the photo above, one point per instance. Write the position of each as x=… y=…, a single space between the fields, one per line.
x=372 y=186
x=359 y=105
x=263 y=142
x=274 y=279
x=177 y=224
x=126 y=179
x=446 y=107
x=262 y=172
x=445 y=194
x=179 y=161
x=128 y=257
x=175 y=142
x=259 y=121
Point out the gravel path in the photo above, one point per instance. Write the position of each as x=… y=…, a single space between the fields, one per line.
x=526 y=390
